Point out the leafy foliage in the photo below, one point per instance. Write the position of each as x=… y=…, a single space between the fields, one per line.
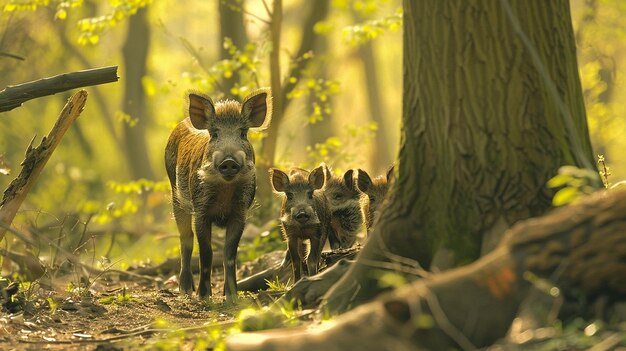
x=129 y=198
x=372 y=29
x=319 y=91
x=266 y=242
x=574 y=183
x=344 y=150
x=92 y=28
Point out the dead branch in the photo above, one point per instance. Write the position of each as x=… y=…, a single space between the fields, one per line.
x=14 y=95
x=141 y=331
x=172 y=266
x=36 y=158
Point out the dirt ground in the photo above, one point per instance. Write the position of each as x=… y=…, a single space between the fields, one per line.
x=119 y=314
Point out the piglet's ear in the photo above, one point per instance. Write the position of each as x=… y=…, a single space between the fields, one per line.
x=257 y=108
x=316 y=178
x=201 y=110
x=390 y=173
x=348 y=179
x=279 y=180
x=364 y=181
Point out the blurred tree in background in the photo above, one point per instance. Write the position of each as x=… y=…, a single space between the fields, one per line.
x=108 y=174
x=335 y=68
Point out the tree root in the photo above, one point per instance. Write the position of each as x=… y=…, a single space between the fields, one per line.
x=308 y=291
x=283 y=273
x=579 y=247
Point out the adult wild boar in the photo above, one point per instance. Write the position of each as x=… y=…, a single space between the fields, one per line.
x=210 y=164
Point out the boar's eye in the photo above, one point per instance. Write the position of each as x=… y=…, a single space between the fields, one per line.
x=289 y=196
x=372 y=199
x=310 y=194
x=244 y=134
x=337 y=196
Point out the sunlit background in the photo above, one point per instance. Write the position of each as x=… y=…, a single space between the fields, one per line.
x=331 y=117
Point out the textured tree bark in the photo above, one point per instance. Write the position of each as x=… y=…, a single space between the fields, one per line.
x=579 y=247
x=492 y=108
x=135 y=52
x=15 y=95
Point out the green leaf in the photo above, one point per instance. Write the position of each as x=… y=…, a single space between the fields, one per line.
x=393 y=280
x=565 y=196
x=559 y=180
x=61 y=14
x=424 y=321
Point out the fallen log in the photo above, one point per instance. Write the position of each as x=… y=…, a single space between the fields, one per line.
x=172 y=266
x=15 y=95
x=580 y=248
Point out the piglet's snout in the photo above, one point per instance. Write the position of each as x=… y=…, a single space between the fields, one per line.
x=302 y=216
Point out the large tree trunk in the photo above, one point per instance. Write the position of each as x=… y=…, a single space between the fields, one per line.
x=135 y=52
x=382 y=154
x=578 y=248
x=318 y=12
x=231 y=26
x=492 y=108
x=319 y=131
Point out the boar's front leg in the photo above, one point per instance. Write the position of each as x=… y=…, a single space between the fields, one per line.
x=234 y=229
x=314 y=255
x=294 y=253
x=203 y=233
x=183 y=221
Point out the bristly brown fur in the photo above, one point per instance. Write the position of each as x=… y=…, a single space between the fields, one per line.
x=203 y=192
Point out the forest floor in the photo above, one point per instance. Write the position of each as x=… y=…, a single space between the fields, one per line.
x=114 y=314
x=149 y=314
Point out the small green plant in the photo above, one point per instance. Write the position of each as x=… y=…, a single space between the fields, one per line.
x=266 y=242
x=120 y=299
x=53 y=305
x=277 y=316
x=573 y=183
x=276 y=286
x=604 y=171
x=389 y=279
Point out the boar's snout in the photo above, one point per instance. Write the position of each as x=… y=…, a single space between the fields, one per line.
x=302 y=216
x=229 y=167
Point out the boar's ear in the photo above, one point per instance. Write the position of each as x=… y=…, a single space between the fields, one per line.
x=363 y=181
x=348 y=179
x=390 y=173
x=327 y=173
x=257 y=108
x=201 y=110
x=316 y=178
x=279 y=180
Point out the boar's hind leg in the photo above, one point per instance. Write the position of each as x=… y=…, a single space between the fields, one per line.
x=203 y=233
x=183 y=221
x=234 y=229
